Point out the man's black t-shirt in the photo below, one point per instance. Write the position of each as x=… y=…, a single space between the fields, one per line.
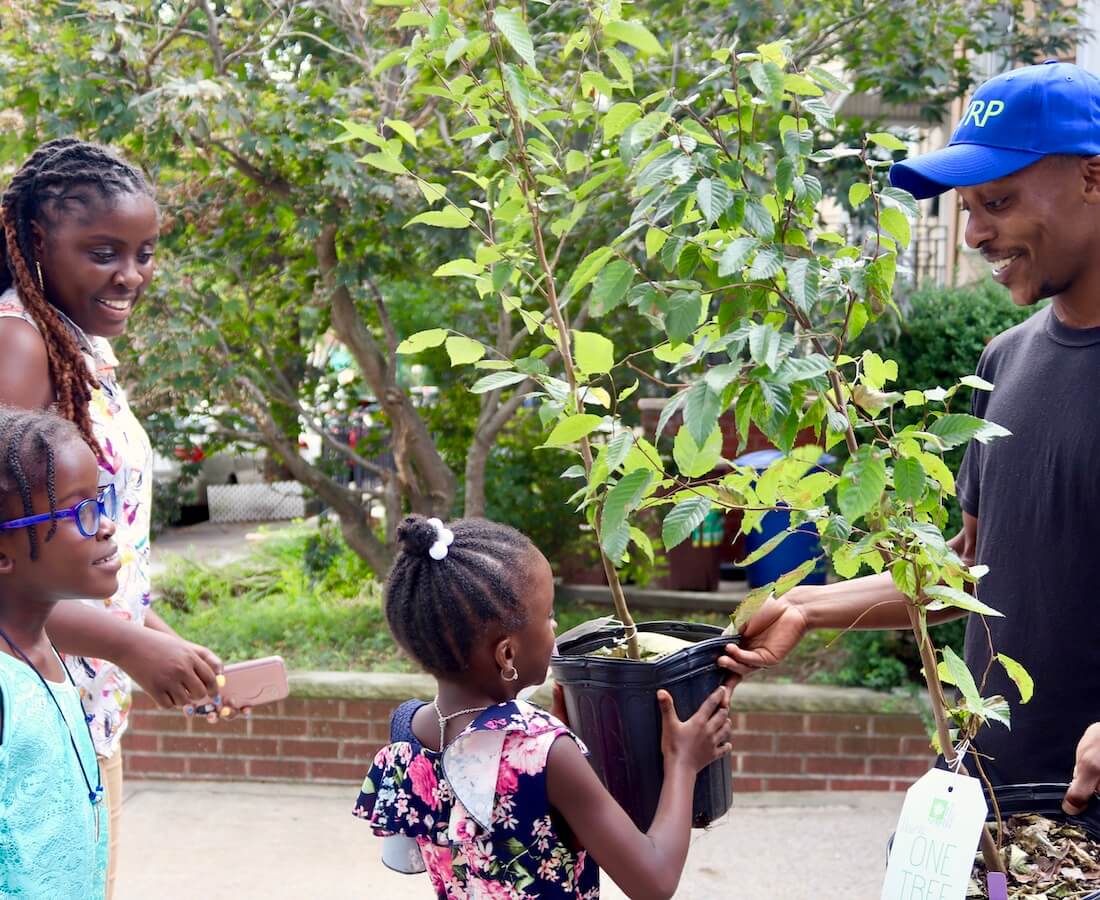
x=1036 y=495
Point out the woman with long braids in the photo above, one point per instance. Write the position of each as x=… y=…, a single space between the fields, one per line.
x=79 y=231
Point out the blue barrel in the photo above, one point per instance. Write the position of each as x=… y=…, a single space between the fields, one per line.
x=799 y=546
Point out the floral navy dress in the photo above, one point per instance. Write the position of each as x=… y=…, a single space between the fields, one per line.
x=479 y=812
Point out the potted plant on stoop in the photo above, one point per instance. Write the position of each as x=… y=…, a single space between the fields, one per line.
x=754 y=300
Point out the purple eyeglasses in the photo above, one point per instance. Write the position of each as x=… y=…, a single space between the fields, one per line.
x=86 y=513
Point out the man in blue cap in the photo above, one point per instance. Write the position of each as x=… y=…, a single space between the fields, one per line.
x=1025 y=160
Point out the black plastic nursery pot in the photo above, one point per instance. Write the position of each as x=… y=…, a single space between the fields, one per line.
x=1046 y=800
x=612 y=706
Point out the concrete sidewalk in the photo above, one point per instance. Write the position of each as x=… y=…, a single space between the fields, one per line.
x=232 y=841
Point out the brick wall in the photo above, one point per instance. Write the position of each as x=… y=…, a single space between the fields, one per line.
x=327 y=739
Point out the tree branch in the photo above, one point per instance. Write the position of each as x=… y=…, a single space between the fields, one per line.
x=166 y=40
x=213 y=38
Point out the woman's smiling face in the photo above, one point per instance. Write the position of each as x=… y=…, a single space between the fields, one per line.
x=96 y=258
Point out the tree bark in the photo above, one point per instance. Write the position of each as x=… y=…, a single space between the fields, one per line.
x=355 y=519
x=494 y=416
x=426 y=480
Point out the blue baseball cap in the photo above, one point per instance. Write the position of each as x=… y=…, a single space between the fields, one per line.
x=1012 y=121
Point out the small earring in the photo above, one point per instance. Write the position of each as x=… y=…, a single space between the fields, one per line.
x=513 y=677
x=41 y=281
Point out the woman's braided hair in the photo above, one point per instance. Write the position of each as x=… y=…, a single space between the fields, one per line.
x=28 y=442
x=59 y=175
x=436 y=608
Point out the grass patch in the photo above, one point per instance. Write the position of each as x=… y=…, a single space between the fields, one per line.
x=301 y=594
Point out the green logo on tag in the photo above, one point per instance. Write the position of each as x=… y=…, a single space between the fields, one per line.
x=937 y=815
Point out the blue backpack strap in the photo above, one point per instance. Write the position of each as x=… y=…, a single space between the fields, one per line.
x=401 y=722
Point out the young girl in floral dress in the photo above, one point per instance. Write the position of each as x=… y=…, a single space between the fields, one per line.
x=497 y=794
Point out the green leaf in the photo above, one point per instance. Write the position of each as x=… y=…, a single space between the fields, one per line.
x=511 y=25
x=387 y=162
x=464 y=350
x=1019 y=675
x=575 y=161
x=858 y=193
x=617 y=449
x=615 y=541
x=858 y=320
x=619 y=117
x=702 y=407
x=768 y=78
x=861 y=483
x=734 y=256
x=887 y=141
x=404 y=129
x=496 y=381
x=803 y=276
x=937 y=468
x=459 y=267
x=767 y=264
x=643 y=543
x=764 y=549
x=654 y=241
x=800 y=85
x=909 y=479
x=448 y=217
x=422 y=340
x=611 y=286
x=692 y=460
x=903 y=200
x=572 y=428
x=622 y=66
x=894 y=222
x=714 y=196
x=764 y=344
x=685 y=311
x=683 y=519
x=593 y=353
x=759 y=220
x=518 y=90
x=978 y=384
x=962 y=679
x=636 y=35
x=827 y=80
x=955 y=429
x=588 y=268
x=624 y=497
x=945 y=596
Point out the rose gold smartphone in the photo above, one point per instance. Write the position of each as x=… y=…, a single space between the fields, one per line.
x=253 y=682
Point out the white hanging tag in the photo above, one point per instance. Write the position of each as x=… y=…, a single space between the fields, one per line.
x=937 y=836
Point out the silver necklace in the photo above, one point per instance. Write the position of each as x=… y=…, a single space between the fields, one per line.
x=443 y=720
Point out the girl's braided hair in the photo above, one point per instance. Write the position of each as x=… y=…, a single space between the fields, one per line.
x=58 y=176
x=436 y=608
x=28 y=442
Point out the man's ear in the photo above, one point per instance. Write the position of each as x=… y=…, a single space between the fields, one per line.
x=7 y=564
x=1090 y=170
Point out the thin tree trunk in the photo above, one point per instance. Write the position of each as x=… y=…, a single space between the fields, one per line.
x=425 y=478
x=492 y=420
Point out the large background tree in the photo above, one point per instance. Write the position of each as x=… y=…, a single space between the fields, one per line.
x=281 y=245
